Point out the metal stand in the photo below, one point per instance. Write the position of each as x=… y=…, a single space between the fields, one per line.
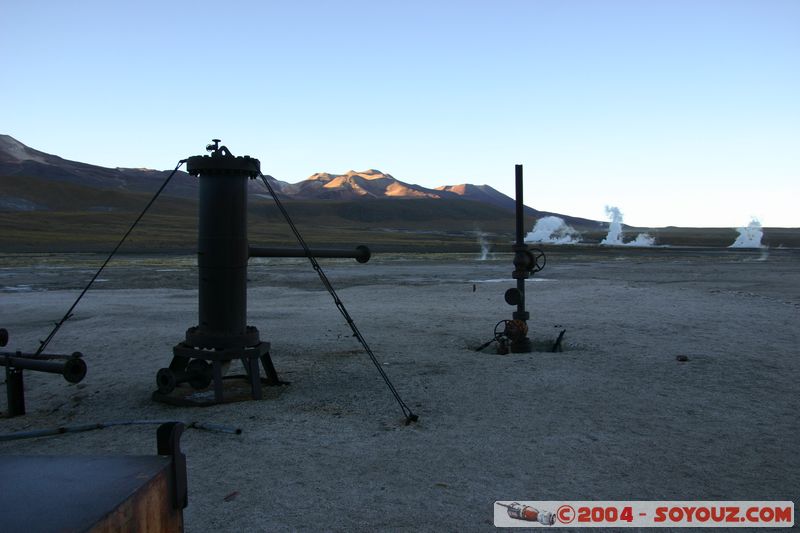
x=222 y=334
x=201 y=368
x=15 y=391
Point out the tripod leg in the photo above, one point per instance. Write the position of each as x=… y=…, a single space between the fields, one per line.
x=253 y=373
x=216 y=372
x=269 y=370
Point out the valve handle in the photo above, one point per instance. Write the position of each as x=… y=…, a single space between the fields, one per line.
x=539 y=259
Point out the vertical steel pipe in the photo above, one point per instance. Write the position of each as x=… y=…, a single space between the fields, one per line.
x=222 y=254
x=222 y=250
x=519 y=246
x=520 y=204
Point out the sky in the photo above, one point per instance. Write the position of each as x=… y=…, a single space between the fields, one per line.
x=678 y=112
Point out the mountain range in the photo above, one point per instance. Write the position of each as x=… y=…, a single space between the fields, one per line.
x=19 y=160
x=48 y=203
x=51 y=204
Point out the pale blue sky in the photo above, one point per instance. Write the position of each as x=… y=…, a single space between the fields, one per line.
x=678 y=112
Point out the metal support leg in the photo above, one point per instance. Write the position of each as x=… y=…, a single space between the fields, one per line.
x=269 y=370
x=251 y=364
x=216 y=370
x=15 y=390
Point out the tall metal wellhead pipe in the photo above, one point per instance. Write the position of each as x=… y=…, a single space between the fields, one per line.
x=519 y=248
x=222 y=334
x=527 y=262
x=222 y=250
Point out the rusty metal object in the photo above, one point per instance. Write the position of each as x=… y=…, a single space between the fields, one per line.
x=506 y=334
x=516 y=330
x=168 y=442
x=96 y=493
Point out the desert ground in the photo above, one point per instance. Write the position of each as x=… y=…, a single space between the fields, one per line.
x=615 y=416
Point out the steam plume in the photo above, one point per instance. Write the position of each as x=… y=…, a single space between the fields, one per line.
x=485 y=246
x=614 y=236
x=750 y=236
x=553 y=230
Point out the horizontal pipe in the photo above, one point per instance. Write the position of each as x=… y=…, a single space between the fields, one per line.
x=216 y=427
x=32 y=434
x=42 y=356
x=360 y=254
x=72 y=368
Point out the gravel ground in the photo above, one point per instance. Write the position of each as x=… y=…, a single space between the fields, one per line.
x=613 y=417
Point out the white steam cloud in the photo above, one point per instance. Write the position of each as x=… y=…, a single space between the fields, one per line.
x=643 y=239
x=614 y=236
x=749 y=236
x=553 y=230
x=485 y=246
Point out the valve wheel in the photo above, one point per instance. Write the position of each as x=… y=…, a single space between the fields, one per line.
x=500 y=333
x=539 y=259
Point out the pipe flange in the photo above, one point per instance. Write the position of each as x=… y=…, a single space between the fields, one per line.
x=201 y=338
x=220 y=165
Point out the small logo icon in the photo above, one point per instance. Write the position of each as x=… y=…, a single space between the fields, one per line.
x=529 y=514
